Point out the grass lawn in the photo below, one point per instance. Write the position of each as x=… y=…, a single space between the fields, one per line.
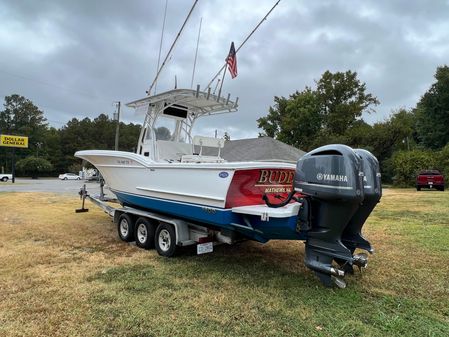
x=67 y=274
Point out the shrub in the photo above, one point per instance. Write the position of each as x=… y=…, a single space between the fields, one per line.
x=407 y=164
x=33 y=166
x=443 y=162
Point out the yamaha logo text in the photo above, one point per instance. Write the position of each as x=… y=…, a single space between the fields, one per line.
x=332 y=177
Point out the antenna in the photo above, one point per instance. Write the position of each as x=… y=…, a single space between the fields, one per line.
x=250 y=34
x=160 y=45
x=171 y=48
x=196 y=53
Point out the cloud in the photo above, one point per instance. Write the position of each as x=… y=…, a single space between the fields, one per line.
x=74 y=59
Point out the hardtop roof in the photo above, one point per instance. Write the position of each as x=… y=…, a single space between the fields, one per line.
x=194 y=100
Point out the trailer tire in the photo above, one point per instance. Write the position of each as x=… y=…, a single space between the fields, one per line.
x=144 y=233
x=165 y=240
x=125 y=228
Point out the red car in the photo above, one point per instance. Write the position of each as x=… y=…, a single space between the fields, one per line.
x=430 y=179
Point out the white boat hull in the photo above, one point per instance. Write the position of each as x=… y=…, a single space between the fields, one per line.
x=196 y=183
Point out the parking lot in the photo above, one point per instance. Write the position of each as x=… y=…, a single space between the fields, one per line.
x=52 y=185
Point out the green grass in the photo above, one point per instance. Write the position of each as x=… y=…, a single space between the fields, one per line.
x=66 y=274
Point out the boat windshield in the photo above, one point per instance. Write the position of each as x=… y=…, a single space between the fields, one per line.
x=164 y=128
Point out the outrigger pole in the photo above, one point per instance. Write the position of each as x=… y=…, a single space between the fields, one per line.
x=196 y=54
x=171 y=48
x=241 y=45
x=162 y=39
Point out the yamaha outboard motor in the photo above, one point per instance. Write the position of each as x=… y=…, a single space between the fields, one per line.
x=352 y=237
x=331 y=178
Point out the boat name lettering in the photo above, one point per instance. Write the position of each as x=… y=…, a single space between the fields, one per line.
x=278 y=190
x=209 y=210
x=332 y=177
x=276 y=177
x=124 y=162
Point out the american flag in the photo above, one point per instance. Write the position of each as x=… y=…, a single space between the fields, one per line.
x=231 y=60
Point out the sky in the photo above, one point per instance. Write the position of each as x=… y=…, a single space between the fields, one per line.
x=76 y=58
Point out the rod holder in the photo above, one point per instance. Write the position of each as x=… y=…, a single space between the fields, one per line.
x=197 y=91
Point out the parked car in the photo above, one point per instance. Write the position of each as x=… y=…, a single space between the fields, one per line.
x=69 y=176
x=5 y=177
x=430 y=179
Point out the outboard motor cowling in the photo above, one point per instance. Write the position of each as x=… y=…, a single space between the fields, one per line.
x=352 y=236
x=331 y=178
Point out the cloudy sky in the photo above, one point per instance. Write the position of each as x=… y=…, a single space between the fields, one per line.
x=75 y=58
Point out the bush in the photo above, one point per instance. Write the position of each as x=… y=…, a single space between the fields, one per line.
x=443 y=162
x=407 y=164
x=33 y=166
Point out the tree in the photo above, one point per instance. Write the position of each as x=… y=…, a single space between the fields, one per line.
x=343 y=99
x=407 y=164
x=443 y=161
x=300 y=121
x=271 y=124
x=33 y=166
x=162 y=133
x=432 y=112
x=21 y=117
x=395 y=133
x=316 y=117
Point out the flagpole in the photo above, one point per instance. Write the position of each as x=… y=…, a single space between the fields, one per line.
x=244 y=41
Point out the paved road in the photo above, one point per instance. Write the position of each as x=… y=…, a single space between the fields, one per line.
x=52 y=185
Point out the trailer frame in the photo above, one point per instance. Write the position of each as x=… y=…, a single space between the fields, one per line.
x=186 y=233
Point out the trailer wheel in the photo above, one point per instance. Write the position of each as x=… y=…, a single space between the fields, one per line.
x=125 y=228
x=144 y=233
x=165 y=240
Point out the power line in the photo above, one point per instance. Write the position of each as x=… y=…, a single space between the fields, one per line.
x=88 y=95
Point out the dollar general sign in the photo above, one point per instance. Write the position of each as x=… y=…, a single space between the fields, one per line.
x=13 y=141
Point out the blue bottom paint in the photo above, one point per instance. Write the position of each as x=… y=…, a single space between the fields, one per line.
x=275 y=228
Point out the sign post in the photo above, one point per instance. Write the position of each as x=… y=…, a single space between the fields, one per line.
x=13 y=170
x=14 y=141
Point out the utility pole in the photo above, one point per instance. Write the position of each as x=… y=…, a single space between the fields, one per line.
x=117 y=129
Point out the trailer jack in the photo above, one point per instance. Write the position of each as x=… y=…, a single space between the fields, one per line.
x=83 y=194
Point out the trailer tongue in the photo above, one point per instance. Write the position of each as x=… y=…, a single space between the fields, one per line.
x=334 y=190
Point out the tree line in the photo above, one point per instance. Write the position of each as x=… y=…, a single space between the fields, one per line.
x=51 y=149
x=331 y=112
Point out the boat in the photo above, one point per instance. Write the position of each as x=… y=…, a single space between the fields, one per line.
x=324 y=199
x=173 y=176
